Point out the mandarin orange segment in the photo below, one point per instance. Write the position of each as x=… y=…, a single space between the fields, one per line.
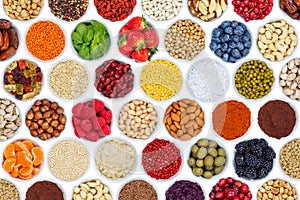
x=28 y=144
x=15 y=172
x=29 y=155
x=35 y=171
x=24 y=160
x=8 y=164
x=20 y=146
x=38 y=155
x=9 y=151
x=25 y=171
x=25 y=177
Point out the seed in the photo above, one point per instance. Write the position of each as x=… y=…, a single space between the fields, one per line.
x=145 y=191
x=8 y=190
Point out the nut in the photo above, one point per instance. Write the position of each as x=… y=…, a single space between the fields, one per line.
x=207 y=10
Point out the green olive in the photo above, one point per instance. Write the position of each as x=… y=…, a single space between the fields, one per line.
x=197 y=171
x=202 y=142
x=209 y=161
x=219 y=161
x=208 y=174
x=218 y=170
x=192 y=162
x=195 y=148
x=209 y=168
x=213 y=144
x=221 y=152
x=201 y=153
x=199 y=163
x=213 y=152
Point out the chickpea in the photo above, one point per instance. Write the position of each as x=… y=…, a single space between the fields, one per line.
x=38 y=115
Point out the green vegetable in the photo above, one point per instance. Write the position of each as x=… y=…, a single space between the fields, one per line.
x=89 y=34
x=81 y=28
x=84 y=52
x=76 y=38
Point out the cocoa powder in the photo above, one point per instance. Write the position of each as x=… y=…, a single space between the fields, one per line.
x=277 y=119
x=44 y=190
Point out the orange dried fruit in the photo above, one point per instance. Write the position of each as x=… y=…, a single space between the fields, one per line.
x=24 y=160
x=15 y=172
x=38 y=155
x=25 y=171
x=9 y=151
x=25 y=177
x=8 y=164
x=28 y=144
x=20 y=146
x=35 y=171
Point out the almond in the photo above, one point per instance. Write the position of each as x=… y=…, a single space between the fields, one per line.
x=179 y=133
x=190 y=130
x=169 y=109
x=192 y=116
x=191 y=109
x=190 y=124
x=182 y=104
x=175 y=105
x=177 y=125
x=169 y=121
x=185 y=137
x=184 y=120
x=175 y=117
x=173 y=128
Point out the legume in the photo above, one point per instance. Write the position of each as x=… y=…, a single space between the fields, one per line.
x=184 y=119
x=68 y=10
x=8 y=190
x=45 y=40
x=254 y=79
x=23 y=10
x=92 y=189
x=22 y=159
x=23 y=79
x=162 y=10
x=138 y=119
x=75 y=156
x=184 y=189
x=202 y=85
x=231 y=41
x=272 y=122
x=10 y=120
x=207 y=158
x=161 y=159
x=68 y=79
x=289 y=158
x=276 y=189
x=207 y=10
x=114 y=79
x=114 y=10
x=161 y=79
x=276 y=40
x=289 y=78
x=44 y=190
x=9 y=40
x=137 y=190
x=291 y=8
x=185 y=39
x=45 y=119
x=115 y=158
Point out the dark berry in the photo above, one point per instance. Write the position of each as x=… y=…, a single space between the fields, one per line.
x=256 y=150
x=250 y=173
x=262 y=173
x=269 y=153
x=239 y=159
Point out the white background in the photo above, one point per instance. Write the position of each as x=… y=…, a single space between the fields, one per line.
x=115 y=105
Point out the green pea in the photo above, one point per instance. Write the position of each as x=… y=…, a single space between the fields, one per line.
x=208 y=174
x=202 y=143
x=221 y=152
x=197 y=171
x=213 y=152
x=209 y=161
x=201 y=153
x=219 y=161
x=199 y=163
x=192 y=162
x=195 y=148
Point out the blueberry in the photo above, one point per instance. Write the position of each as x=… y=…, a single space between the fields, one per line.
x=240 y=46
x=224 y=47
x=243 y=26
x=225 y=24
x=219 y=53
x=236 y=53
x=235 y=38
x=229 y=30
x=247 y=34
x=225 y=38
x=234 y=24
x=239 y=30
x=245 y=38
x=213 y=46
x=232 y=45
x=231 y=59
x=248 y=44
x=229 y=50
x=217 y=40
x=245 y=52
x=225 y=57
x=217 y=32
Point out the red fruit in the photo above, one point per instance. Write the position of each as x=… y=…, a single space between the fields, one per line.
x=235 y=198
x=123 y=30
x=101 y=121
x=77 y=109
x=79 y=132
x=141 y=56
x=135 y=39
x=249 y=195
x=230 y=180
x=86 y=125
x=92 y=136
x=219 y=195
x=87 y=113
x=98 y=105
x=212 y=195
x=108 y=116
x=138 y=23
x=151 y=38
x=105 y=130
x=75 y=121
x=244 y=188
x=241 y=195
x=238 y=183
x=222 y=182
x=88 y=104
x=245 y=198
x=231 y=193
x=217 y=188
x=124 y=48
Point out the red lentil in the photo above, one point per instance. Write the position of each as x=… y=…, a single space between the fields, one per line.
x=161 y=159
x=45 y=40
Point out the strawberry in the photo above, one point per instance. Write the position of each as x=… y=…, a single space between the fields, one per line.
x=124 y=48
x=86 y=125
x=135 y=39
x=141 y=55
x=98 y=105
x=79 y=132
x=105 y=130
x=138 y=23
x=151 y=38
x=123 y=30
x=77 y=109
x=87 y=113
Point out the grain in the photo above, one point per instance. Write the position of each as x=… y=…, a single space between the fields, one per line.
x=289 y=158
x=8 y=191
x=68 y=160
x=69 y=79
x=161 y=79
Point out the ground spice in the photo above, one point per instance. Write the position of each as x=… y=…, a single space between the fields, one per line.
x=185 y=189
x=289 y=159
x=277 y=119
x=45 y=40
x=44 y=190
x=137 y=190
x=68 y=10
x=231 y=119
x=161 y=159
x=8 y=191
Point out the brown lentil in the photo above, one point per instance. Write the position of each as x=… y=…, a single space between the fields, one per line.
x=75 y=160
x=137 y=190
x=8 y=191
x=92 y=189
x=276 y=189
x=68 y=10
x=289 y=158
x=185 y=39
x=23 y=10
x=69 y=79
x=184 y=119
x=161 y=79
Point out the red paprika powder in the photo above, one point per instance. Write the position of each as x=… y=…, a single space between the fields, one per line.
x=161 y=159
x=231 y=119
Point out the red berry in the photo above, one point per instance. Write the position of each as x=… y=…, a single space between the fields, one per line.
x=212 y=195
x=231 y=193
x=77 y=109
x=222 y=182
x=98 y=105
x=249 y=195
x=106 y=130
x=238 y=183
x=230 y=180
x=241 y=195
x=219 y=195
x=247 y=19
x=86 y=125
x=246 y=198
x=236 y=198
x=217 y=188
x=244 y=188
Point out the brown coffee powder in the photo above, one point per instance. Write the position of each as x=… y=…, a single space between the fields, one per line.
x=137 y=190
x=44 y=190
x=277 y=119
